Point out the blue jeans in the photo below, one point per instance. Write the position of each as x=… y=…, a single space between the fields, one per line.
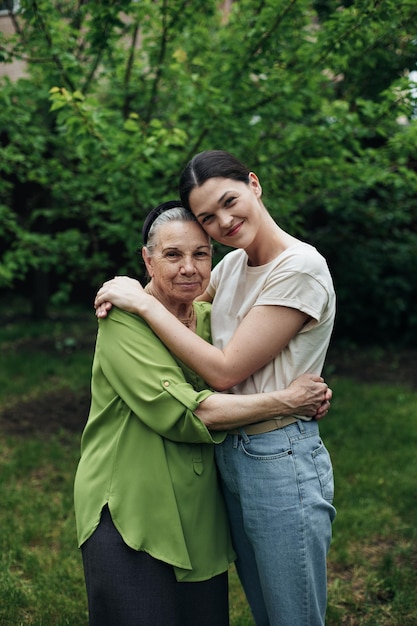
x=279 y=489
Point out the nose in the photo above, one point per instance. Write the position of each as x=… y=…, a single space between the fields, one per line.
x=188 y=265
x=225 y=219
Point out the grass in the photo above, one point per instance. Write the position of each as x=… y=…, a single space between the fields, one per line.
x=40 y=570
x=372 y=437
x=371 y=434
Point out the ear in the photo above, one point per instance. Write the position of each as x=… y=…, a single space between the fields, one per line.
x=148 y=261
x=255 y=185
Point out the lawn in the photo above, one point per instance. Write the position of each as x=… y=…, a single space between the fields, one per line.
x=371 y=433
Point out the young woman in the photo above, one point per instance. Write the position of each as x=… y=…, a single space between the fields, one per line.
x=272 y=318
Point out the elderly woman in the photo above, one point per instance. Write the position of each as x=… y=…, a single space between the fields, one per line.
x=151 y=520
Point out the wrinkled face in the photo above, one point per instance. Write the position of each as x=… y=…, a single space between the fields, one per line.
x=228 y=210
x=180 y=264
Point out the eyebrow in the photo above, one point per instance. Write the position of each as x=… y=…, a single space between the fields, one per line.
x=205 y=245
x=219 y=201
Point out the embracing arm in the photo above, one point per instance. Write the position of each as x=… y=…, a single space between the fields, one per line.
x=132 y=365
x=255 y=342
x=308 y=395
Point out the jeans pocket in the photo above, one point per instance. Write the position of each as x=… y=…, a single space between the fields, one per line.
x=324 y=470
x=266 y=446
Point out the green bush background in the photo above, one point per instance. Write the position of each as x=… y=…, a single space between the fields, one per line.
x=315 y=96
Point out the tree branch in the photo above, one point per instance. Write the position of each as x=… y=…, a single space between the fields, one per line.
x=257 y=47
x=128 y=72
x=48 y=38
x=161 y=56
x=162 y=51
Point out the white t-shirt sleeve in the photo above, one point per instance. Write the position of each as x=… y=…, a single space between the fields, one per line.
x=300 y=281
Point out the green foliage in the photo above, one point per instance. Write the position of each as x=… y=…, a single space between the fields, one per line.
x=314 y=96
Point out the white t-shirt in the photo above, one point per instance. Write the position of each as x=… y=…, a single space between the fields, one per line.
x=297 y=278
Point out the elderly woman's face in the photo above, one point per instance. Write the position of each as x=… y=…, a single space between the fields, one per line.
x=181 y=261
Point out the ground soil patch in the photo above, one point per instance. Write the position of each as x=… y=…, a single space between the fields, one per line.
x=65 y=409
x=47 y=413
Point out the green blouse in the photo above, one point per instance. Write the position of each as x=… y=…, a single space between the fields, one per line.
x=148 y=456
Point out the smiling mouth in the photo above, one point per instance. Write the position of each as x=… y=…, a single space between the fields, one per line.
x=234 y=230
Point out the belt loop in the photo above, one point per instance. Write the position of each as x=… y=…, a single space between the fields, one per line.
x=244 y=435
x=300 y=424
x=235 y=441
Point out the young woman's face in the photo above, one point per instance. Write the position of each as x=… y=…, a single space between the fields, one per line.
x=180 y=264
x=228 y=210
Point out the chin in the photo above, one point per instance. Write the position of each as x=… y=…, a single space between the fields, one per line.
x=189 y=294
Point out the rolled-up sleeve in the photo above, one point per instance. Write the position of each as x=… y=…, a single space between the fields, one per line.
x=133 y=367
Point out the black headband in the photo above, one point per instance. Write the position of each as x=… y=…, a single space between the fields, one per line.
x=154 y=214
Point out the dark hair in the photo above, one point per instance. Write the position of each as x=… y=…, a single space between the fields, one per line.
x=210 y=164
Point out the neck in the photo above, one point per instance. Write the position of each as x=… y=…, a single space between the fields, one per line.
x=183 y=311
x=270 y=242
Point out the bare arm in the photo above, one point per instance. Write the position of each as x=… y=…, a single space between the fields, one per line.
x=308 y=395
x=247 y=351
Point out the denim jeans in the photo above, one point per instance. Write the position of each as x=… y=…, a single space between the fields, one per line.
x=279 y=489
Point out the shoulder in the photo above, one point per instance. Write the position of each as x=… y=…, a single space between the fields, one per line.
x=304 y=258
x=123 y=337
x=231 y=262
x=118 y=315
x=299 y=273
x=122 y=322
x=232 y=258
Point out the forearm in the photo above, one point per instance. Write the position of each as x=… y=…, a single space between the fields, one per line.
x=226 y=411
